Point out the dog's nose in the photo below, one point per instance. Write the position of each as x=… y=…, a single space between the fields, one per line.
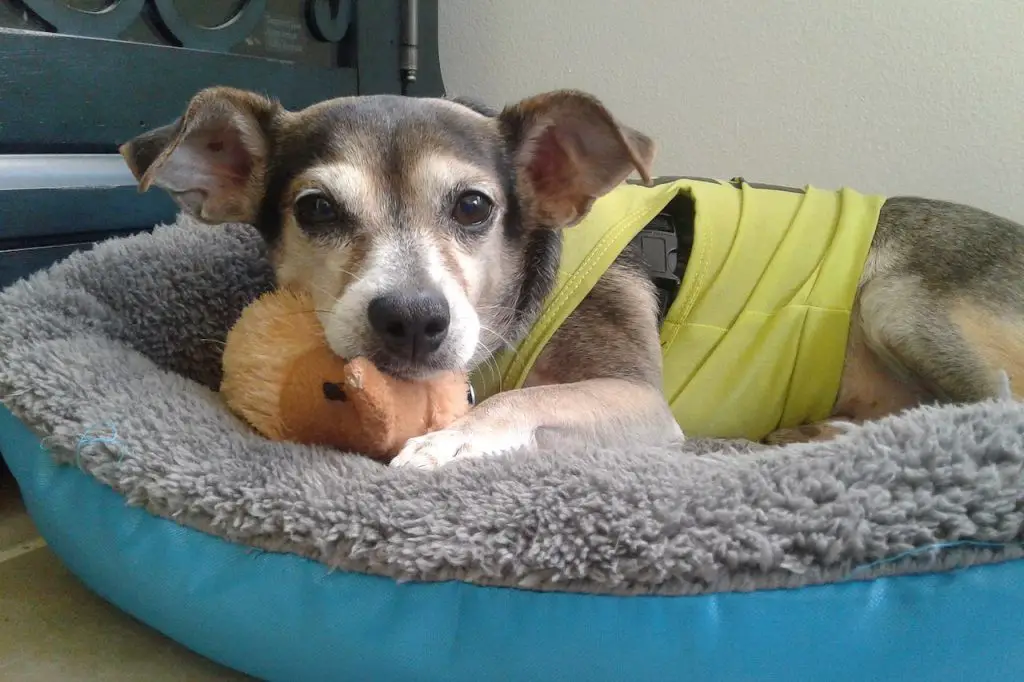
x=413 y=324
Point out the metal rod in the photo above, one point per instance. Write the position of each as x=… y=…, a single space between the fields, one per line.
x=408 y=59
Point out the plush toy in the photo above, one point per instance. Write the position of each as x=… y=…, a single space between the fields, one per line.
x=281 y=377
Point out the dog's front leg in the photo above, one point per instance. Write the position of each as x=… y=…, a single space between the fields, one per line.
x=598 y=381
x=604 y=411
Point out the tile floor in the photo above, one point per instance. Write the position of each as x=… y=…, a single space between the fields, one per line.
x=53 y=628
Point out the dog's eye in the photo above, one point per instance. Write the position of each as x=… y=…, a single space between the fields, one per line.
x=315 y=209
x=471 y=208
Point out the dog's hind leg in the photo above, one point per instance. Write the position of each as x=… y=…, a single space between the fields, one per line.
x=996 y=339
x=939 y=315
x=942 y=348
x=910 y=345
x=942 y=298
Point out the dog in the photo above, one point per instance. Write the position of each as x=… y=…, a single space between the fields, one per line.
x=428 y=231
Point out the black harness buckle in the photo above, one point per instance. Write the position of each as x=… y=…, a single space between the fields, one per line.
x=658 y=244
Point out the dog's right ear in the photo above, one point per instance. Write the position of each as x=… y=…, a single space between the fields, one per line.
x=213 y=159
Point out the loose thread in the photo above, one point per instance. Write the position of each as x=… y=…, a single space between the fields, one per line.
x=934 y=549
x=107 y=436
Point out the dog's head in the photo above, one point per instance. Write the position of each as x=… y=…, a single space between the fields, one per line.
x=426 y=230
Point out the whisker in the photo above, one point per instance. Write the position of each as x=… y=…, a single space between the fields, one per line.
x=491 y=363
x=497 y=335
x=497 y=307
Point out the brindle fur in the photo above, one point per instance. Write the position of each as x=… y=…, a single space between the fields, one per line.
x=940 y=308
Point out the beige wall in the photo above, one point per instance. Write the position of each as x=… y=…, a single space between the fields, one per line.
x=897 y=96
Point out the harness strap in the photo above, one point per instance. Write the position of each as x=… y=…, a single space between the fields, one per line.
x=588 y=250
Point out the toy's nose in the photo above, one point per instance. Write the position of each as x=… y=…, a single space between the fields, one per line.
x=412 y=324
x=334 y=392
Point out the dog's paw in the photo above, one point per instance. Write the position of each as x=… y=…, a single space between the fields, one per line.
x=809 y=433
x=441 y=447
x=432 y=450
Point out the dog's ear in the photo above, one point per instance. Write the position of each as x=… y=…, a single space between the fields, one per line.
x=567 y=151
x=213 y=159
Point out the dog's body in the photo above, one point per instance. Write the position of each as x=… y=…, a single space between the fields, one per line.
x=428 y=232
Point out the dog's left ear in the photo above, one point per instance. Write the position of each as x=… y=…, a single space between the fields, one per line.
x=567 y=151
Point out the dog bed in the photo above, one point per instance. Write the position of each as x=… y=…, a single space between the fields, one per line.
x=893 y=552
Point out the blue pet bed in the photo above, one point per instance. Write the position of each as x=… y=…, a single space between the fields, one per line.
x=892 y=553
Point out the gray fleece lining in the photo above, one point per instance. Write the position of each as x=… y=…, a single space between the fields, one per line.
x=127 y=337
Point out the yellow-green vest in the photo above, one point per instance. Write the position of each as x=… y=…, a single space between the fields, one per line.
x=755 y=339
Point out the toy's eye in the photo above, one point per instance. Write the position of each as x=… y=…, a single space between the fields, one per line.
x=334 y=392
x=471 y=209
x=314 y=209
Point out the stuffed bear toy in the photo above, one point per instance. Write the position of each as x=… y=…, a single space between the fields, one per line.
x=284 y=380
